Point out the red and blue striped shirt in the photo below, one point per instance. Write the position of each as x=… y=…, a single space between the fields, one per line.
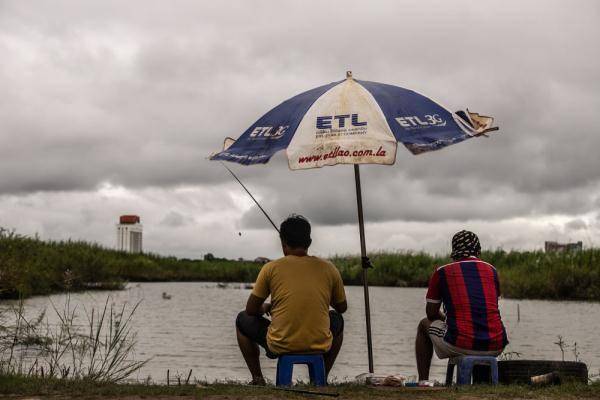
x=469 y=290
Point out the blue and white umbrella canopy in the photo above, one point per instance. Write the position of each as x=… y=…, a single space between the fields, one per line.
x=352 y=122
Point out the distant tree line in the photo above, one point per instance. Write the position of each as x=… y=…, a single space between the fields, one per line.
x=29 y=266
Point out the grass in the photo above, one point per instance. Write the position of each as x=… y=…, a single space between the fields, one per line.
x=29 y=266
x=99 y=348
x=523 y=274
x=27 y=386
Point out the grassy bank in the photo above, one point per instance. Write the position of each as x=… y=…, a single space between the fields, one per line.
x=526 y=274
x=23 y=386
x=30 y=267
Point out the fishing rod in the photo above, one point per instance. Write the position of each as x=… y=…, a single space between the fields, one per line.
x=252 y=197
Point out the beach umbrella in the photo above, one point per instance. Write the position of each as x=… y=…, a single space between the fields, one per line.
x=352 y=122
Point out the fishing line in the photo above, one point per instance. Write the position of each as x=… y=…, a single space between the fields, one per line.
x=250 y=194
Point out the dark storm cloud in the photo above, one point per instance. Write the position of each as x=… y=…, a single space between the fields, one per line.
x=329 y=198
x=139 y=95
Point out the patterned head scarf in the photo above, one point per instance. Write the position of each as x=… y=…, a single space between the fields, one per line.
x=465 y=244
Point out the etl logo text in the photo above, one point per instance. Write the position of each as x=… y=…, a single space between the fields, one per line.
x=427 y=120
x=269 y=132
x=327 y=122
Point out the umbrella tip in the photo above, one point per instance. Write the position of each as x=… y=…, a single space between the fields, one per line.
x=348 y=74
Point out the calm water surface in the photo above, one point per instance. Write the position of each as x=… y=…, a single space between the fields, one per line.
x=195 y=329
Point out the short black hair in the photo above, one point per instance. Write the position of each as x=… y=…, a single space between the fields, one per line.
x=295 y=232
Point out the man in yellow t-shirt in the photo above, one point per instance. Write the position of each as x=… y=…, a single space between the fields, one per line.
x=302 y=288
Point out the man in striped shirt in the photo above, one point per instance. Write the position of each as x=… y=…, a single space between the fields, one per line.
x=469 y=289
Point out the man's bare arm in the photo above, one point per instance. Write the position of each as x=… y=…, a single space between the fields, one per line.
x=433 y=311
x=254 y=306
x=340 y=307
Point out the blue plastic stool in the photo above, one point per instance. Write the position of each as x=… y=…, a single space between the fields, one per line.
x=465 y=369
x=315 y=363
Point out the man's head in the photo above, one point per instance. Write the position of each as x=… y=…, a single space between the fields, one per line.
x=465 y=244
x=294 y=233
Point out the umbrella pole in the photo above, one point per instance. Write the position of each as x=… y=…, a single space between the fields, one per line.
x=366 y=264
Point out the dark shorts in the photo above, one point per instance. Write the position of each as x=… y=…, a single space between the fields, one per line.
x=255 y=328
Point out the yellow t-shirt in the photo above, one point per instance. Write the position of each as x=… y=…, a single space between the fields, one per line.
x=301 y=289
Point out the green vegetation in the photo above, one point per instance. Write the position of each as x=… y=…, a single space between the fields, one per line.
x=101 y=349
x=523 y=274
x=28 y=386
x=29 y=266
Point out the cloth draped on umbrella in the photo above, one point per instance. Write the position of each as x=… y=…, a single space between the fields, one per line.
x=352 y=122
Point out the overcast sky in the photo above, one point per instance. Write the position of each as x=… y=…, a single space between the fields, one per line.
x=112 y=107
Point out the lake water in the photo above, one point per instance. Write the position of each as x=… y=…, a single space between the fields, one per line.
x=195 y=329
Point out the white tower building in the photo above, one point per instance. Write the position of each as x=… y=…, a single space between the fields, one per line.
x=129 y=234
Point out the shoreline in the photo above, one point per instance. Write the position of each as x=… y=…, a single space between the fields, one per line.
x=29 y=266
x=124 y=286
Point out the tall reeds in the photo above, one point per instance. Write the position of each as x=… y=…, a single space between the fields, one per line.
x=523 y=274
x=29 y=266
x=99 y=349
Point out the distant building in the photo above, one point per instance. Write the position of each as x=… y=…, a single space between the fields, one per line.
x=261 y=260
x=129 y=234
x=555 y=247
